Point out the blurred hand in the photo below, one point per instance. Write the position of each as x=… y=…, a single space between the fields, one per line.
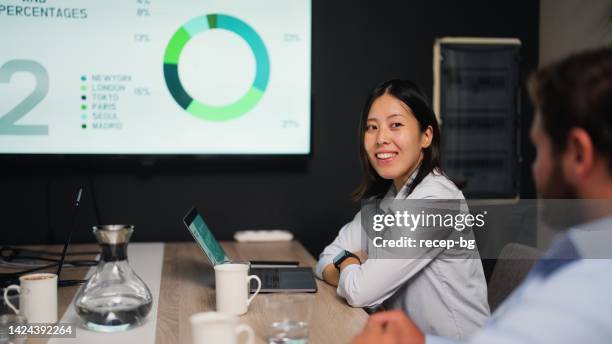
x=392 y=327
x=363 y=256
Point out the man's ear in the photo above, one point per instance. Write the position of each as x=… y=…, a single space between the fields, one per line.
x=427 y=137
x=578 y=158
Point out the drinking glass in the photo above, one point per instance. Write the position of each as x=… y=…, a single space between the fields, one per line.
x=9 y=318
x=288 y=315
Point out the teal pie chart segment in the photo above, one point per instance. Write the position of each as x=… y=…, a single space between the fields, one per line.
x=212 y=22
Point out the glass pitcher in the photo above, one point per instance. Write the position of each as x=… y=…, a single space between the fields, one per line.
x=114 y=298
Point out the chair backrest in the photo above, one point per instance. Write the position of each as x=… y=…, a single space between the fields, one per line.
x=513 y=265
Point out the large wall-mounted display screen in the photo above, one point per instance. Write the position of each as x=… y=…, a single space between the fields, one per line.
x=153 y=77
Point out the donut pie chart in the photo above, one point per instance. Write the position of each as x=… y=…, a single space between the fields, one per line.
x=195 y=107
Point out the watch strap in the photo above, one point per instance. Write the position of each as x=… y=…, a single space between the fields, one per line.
x=345 y=256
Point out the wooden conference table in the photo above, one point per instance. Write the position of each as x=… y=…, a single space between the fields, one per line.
x=186 y=288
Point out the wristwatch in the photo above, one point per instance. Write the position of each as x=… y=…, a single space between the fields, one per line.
x=342 y=256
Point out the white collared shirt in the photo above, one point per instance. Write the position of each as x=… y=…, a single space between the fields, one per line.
x=444 y=296
x=571 y=305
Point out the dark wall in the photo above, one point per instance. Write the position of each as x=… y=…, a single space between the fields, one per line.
x=355 y=45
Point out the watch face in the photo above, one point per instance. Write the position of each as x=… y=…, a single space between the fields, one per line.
x=339 y=257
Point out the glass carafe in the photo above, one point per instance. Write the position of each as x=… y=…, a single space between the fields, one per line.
x=114 y=298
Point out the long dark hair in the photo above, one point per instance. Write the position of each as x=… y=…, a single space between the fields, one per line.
x=373 y=185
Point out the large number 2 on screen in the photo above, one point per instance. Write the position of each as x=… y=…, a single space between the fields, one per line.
x=7 y=121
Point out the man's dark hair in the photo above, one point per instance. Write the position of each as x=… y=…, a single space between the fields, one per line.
x=576 y=92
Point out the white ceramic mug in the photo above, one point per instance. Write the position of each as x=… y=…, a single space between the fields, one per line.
x=218 y=328
x=232 y=288
x=39 y=303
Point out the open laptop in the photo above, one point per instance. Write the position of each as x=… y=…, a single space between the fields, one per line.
x=273 y=279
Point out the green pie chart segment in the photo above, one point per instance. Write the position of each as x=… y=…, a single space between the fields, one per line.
x=209 y=22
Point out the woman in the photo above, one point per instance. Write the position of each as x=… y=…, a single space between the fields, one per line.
x=400 y=156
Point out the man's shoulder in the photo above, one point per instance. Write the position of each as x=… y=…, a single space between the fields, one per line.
x=585 y=280
x=599 y=269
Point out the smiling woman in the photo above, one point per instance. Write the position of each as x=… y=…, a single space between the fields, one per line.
x=443 y=292
x=398 y=133
x=393 y=139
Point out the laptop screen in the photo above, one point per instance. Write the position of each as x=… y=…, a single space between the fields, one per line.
x=205 y=239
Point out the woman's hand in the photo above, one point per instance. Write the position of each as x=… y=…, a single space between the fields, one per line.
x=331 y=275
x=363 y=256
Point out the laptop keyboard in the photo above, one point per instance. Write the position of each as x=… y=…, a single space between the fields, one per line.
x=269 y=278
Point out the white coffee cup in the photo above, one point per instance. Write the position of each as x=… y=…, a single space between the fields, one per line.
x=218 y=328
x=39 y=303
x=232 y=288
